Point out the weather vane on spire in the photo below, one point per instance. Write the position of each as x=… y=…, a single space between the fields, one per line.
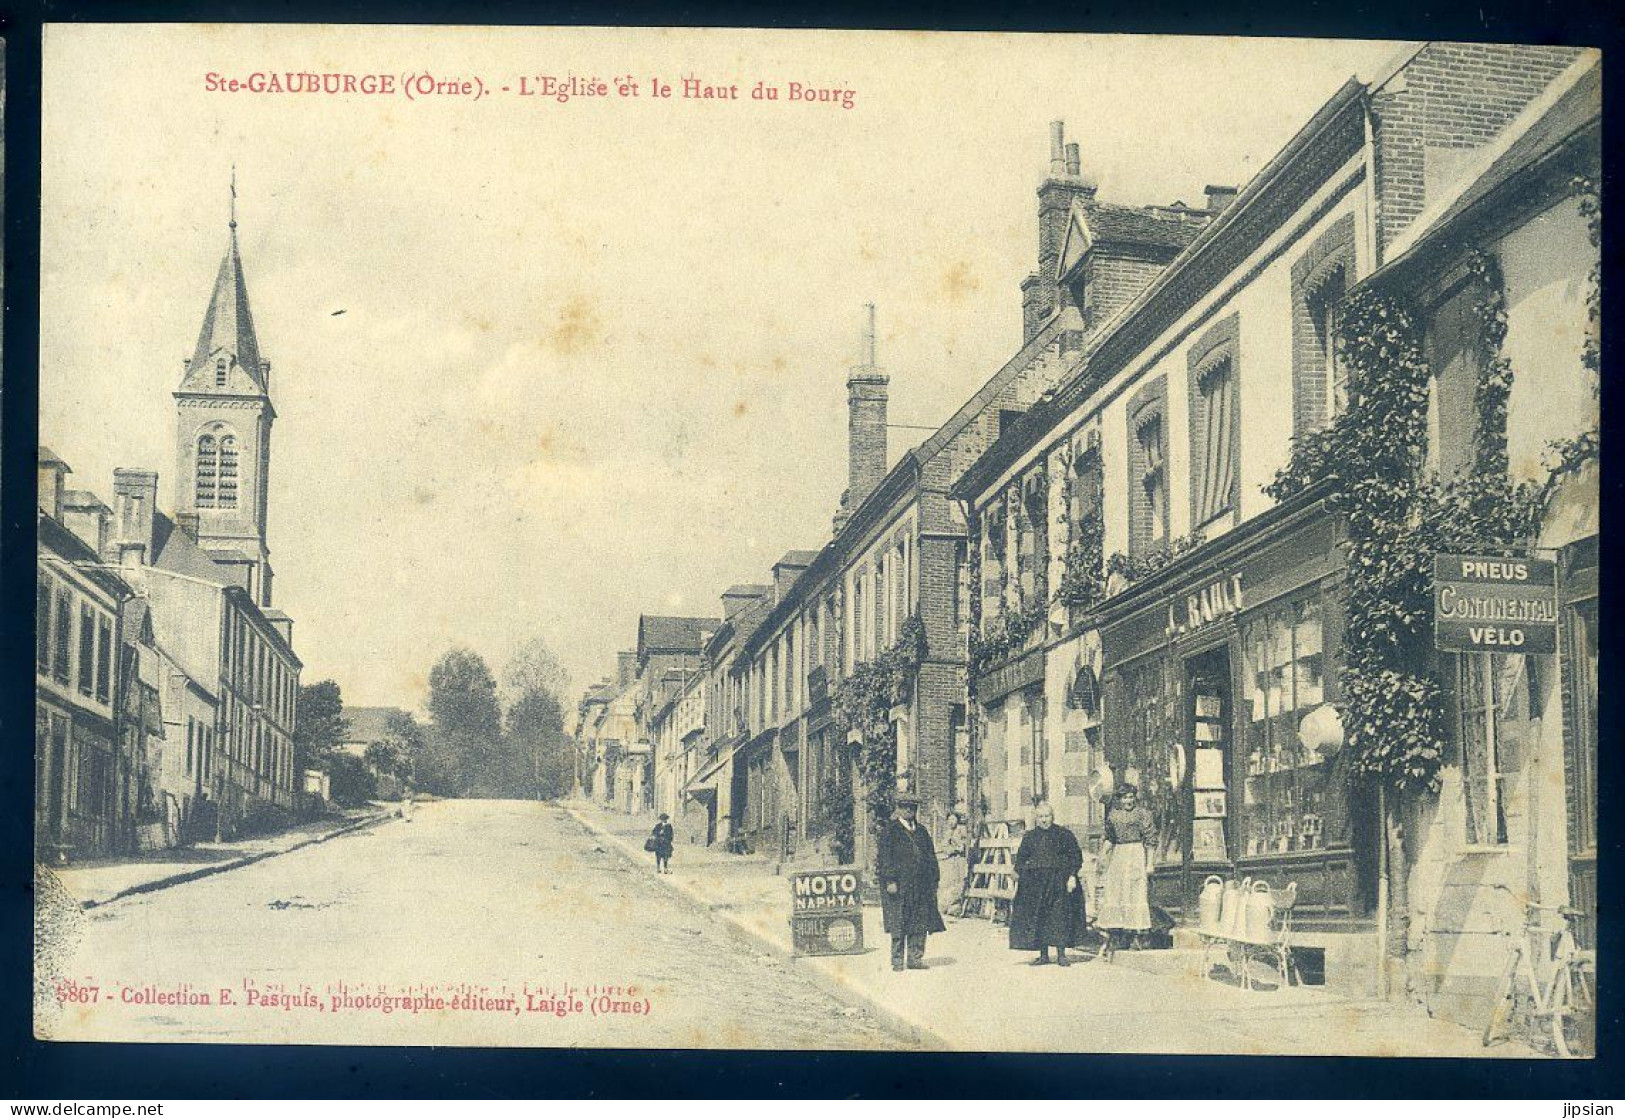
x=234 y=195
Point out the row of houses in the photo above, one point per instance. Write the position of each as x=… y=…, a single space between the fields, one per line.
x=1127 y=557
x=167 y=683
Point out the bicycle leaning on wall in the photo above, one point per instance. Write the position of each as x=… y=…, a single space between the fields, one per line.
x=1566 y=999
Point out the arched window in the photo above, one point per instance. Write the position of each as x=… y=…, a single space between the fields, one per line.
x=220 y=372
x=228 y=472
x=208 y=469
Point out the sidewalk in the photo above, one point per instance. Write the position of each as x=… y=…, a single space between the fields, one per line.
x=980 y=996
x=100 y=881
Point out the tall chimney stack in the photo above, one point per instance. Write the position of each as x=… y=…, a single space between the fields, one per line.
x=1041 y=292
x=866 y=421
x=1057 y=148
x=135 y=499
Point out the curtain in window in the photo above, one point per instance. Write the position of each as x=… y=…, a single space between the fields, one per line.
x=1149 y=436
x=1484 y=822
x=1495 y=717
x=1218 y=437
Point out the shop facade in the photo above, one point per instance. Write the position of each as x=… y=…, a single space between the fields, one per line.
x=1217 y=671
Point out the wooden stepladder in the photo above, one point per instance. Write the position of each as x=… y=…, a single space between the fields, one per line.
x=992 y=882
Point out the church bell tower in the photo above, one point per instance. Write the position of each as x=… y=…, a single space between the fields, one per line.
x=223 y=431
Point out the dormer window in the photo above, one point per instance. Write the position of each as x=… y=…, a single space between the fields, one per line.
x=220 y=372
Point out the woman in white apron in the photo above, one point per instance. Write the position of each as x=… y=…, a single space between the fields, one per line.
x=1125 y=907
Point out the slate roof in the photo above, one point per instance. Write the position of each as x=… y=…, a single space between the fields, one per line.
x=1110 y=222
x=673 y=634
x=369 y=724
x=228 y=324
x=174 y=550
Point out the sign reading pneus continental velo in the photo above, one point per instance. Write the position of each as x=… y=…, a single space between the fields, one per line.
x=1486 y=603
x=712 y=476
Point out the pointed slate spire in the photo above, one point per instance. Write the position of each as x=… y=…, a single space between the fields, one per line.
x=228 y=325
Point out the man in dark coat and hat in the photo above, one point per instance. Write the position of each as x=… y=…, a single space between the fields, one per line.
x=1048 y=907
x=907 y=867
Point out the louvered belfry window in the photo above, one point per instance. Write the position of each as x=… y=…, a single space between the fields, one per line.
x=227 y=488
x=208 y=471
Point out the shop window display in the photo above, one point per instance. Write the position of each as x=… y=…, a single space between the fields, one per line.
x=1293 y=801
x=1152 y=731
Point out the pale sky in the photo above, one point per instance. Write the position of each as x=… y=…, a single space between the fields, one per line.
x=593 y=354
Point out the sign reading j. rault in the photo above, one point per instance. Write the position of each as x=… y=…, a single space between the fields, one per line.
x=1484 y=603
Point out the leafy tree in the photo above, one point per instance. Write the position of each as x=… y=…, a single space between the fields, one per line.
x=319 y=725
x=409 y=741
x=533 y=667
x=537 y=739
x=389 y=758
x=466 y=742
x=463 y=695
x=349 y=780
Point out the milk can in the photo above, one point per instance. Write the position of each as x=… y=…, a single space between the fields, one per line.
x=1231 y=915
x=1210 y=905
x=1260 y=911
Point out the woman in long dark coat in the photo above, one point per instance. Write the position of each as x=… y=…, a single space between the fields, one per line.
x=906 y=864
x=1048 y=907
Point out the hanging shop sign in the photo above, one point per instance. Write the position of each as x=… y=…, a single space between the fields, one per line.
x=826 y=912
x=1487 y=603
x=1218 y=599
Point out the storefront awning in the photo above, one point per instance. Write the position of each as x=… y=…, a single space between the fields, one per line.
x=711 y=770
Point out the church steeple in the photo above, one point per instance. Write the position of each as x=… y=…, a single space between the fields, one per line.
x=228 y=328
x=223 y=429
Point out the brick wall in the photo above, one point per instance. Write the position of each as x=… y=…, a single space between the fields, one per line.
x=1325 y=269
x=1041 y=294
x=1112 y=282
x=939 y=689
x=1450 y=98
x=1151 y=400
x=866 y=435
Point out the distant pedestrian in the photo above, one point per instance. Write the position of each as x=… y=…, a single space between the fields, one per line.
x=953 y=856
x=1048 y=907
x=660 y=842
x=907 y=867
x=1125 y=908
x=406 y=804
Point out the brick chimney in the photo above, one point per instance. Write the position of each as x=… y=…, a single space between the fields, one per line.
x=866 y=423
x=86 y=516
x=785 y=573
x=53 y=474
x=736 y=598
x=190 y=524
x=1219 y=197
x=626 y=667
x=1041 y=293
x=135 y=499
